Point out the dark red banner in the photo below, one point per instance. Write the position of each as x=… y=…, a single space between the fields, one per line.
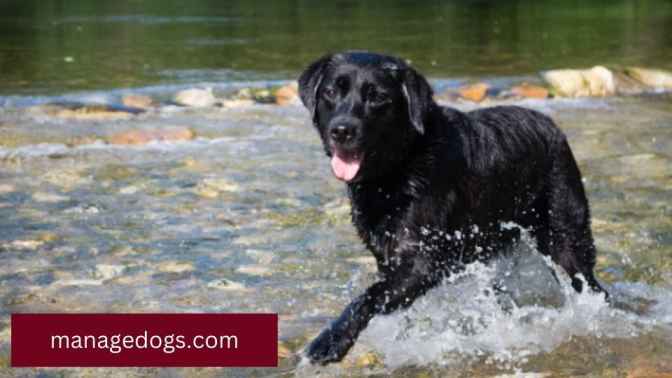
x=102 y=340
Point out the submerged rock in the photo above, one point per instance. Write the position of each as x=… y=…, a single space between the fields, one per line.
x=138 y=101
x=82 y=140
x=135 y=137
x=108 y=271
x=212 y=187
x=254 y=270
x=530 y=91
x=175 y=267
x=48 y=197
x=656 y=79
x=367 y=360
x=597 y=81
x=224 y=284
x=475 y=92
x=22 y=245
x=196 y=97
x=88 y=112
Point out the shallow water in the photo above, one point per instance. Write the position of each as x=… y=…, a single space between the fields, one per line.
x=247 y=218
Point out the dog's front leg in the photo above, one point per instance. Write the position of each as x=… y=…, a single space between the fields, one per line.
x=398 y=289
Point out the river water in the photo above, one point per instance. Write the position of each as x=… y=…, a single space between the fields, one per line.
x=247 y=217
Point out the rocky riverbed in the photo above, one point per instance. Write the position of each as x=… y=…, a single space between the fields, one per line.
x=217 y=198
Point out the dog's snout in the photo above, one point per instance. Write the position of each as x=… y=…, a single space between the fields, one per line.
x=343 y=133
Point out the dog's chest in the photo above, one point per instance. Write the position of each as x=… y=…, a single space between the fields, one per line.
x=376 y=214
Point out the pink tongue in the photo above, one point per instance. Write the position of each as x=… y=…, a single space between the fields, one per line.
x=344 y=169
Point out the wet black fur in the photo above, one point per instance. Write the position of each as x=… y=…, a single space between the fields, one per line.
x=436 y=184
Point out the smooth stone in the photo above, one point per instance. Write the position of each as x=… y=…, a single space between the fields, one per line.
x=78 y=282
x=84 y=209
x=86 y=112
x=48 y=237
x=654 y=78
x=475 y=92
x=23 y=245
x=138 y=101
x=48 y=197
x=198 y=98
x=237 y=103
x=530 y=91
x=287 y=94
x=135 y=137
x=600 y=81
x=175 y=267
x=596 y=81
x=219 y=185
x=207 y=192
x=108 y=271
x=254 y=270
x=131 y=189
x=66 y=179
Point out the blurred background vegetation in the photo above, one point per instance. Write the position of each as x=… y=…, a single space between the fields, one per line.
x=60 y=45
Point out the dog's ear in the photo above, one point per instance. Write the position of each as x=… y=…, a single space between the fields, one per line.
x=309 y=83
x=418 y=94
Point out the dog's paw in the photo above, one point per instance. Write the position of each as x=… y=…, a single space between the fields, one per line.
x=329 y=346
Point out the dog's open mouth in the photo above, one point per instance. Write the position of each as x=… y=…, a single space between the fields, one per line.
x=345 y=165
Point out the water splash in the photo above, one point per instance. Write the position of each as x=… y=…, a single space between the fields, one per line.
x=531 y=312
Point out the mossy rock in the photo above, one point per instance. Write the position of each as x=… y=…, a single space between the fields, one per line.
x=115 y=172
x=306 y=217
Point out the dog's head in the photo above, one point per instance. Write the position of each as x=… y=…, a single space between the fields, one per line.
x=368 y=108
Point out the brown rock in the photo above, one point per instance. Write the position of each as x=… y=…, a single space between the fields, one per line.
x=283 y=351
x=138 y=101
x=475 y=92
x=87 y=112
x=287 y=94
x=146 y=136
x=530 y=91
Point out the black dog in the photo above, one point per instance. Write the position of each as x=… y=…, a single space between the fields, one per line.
x=430 y=186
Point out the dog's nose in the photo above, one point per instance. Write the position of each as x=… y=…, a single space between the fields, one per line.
x=342 y=133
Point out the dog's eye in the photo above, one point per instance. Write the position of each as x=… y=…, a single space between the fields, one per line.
x=329 y=92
